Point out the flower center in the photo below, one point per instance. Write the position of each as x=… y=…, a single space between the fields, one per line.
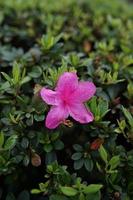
x=65 y=97
x=65 y=102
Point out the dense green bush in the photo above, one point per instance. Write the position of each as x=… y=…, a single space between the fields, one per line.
x=39 y=40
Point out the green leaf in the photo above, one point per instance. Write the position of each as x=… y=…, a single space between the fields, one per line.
x=36 y=72
x=5 y=86
x=114 y=162
x=48 y=147
x=54 y=136
x=2 y=160
x=1 y=139
x=88 y=164
x=26 y=160
x=68 y=191
x=47 y=42
x=10 y=142
x=93 y=196
x=58 y=145
x=82 y=197
x=128 y=116
x=78 y=147
x=25 y=142
x=24 y=195
x=77 y=156
x=39 y=118
x=10 y=196
x=98 y=167
x=78 y=164
x=43 y=186
x=103 y=107
x=93 y=188
x=16 y=73
x=93 y=105
x=26 y=79
x=74 y=59
x=50 y=157
x=35 y=191
x=7 y=77
x=103 y=154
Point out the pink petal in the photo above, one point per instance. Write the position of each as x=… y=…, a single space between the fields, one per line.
x=84 y=91
x=56 y=115
x=67 y=83
x=49 y=96
x=80 y=113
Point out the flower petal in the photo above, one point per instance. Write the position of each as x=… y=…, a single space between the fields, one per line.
x=80 y=113
x=56 y=115
x=84 y=91
x=49 y=96
x=67 y=83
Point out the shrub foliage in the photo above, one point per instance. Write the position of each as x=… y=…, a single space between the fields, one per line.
x=39 y=40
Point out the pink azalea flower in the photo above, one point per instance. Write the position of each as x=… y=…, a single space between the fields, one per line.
x=68 y=99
